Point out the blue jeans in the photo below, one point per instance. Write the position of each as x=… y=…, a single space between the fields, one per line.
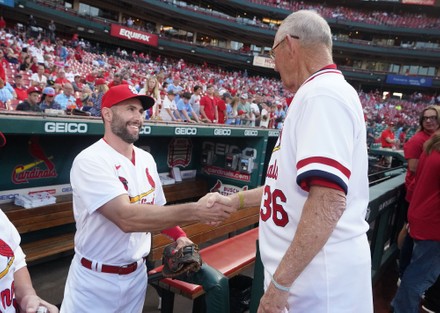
x=420 y=274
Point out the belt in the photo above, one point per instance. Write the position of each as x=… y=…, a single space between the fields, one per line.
x=111 y=269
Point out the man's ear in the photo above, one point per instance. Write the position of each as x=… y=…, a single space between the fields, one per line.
x=107 y=114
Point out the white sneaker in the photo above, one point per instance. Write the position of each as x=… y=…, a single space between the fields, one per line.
x=159 y=306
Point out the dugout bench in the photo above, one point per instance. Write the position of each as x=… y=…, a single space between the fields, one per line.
x=231 y=255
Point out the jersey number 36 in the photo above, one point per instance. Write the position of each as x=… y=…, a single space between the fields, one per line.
x=273 y=207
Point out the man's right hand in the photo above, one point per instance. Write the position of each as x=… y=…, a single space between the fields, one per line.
x=214 y=208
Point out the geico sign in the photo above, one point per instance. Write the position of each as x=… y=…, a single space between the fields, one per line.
x=185 y=131
x=274 y=133
x=59 y=127
x=145 y=130
x=249 y=132
x=222 y=132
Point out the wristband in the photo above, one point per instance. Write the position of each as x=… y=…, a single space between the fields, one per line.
x=278 y=286
x=174 y=232
x=241 y=200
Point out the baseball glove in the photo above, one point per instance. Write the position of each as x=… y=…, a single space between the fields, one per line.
x=184 y=260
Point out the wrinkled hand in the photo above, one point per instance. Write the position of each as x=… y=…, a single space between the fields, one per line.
x=214 y=208
x=182 y=242
x=31 y=303
x=273 y=301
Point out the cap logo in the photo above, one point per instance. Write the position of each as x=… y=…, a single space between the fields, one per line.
x=132 y=89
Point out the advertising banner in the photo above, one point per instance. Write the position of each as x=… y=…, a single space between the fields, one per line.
x=9 y=3
x=419 y=2
x=409 y=80
x=133 y=35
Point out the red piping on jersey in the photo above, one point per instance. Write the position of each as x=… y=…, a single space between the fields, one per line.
x=324 y=70
x=325 y=161
x=317 y=181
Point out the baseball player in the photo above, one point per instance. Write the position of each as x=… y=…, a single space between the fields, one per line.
x=117 y=201
x=17 y=293
x=313 y=240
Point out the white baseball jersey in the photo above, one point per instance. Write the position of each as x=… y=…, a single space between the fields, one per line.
x=324 y=137
x=11 y=260
x=98 y=175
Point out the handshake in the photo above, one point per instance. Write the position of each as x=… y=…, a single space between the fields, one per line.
x=214 y=208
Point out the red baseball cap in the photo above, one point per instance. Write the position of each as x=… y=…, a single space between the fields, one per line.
x=119 y=93
x=100 y=81
x=33 y=89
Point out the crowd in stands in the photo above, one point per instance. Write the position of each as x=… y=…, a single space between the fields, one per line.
x=37 y=75
x=373 y=17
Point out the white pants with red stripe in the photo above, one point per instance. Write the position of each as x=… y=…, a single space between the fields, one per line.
x=90 y=291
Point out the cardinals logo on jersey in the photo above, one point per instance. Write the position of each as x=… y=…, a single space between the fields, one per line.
x=150 y=179
x=124 y=182
x=6 y=258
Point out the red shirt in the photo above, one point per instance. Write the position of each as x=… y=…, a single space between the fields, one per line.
x=209 y=106
x=412 y=150
x=21 y=93
x=221 y=110
x=387 y=134
x=424 y=209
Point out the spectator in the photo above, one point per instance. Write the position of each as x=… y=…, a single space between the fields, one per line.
x=208 y=109
x=66 y=99
x=255 y=113
x=244 y=108
x=117 y=80
x=2 y=23
x=61 y=51
x=371 y=134
x=52 y=28
x=176 y=87
x=5 y=94
x=195 y=99
x=20 y=89
x=31 y=103
x=68 y=74
x=77 y=83
x=39 y=79
x=233 y=118
x=151 y=88
x=185 y=110
x=11 y=56
x=388 y=142
x=387 y=137
x=429 y=122
x=100 y=89
x=221 y=106
x=169 y=109
x=424 y=228
x=48 y=100
x=265 y=115
x=61 y=78
x=85 y=100
x=26 y=64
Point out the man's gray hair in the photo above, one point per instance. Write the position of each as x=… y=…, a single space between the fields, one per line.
x=309 y=26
